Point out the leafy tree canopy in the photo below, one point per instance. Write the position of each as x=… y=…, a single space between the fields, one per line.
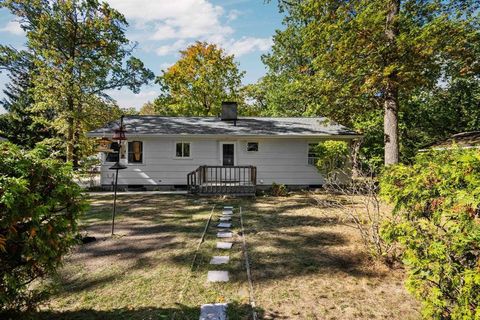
x=198 y=82
x=346 y=58
x=79 y=51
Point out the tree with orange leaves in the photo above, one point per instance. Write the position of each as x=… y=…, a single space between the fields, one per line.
x=203 y=77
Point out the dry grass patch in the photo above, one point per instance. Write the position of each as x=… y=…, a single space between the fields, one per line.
x=305 y=264
x=308 y=265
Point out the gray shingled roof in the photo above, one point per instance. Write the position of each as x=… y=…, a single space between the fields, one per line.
x=255 y=126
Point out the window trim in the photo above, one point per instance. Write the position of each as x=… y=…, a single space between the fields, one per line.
x=143 y=153
x=258 y=146
x=175 y=149
x=311 y=161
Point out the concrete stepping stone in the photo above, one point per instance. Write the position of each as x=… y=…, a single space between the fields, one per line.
x=220 y=260
x=228 y=207
x=224 y=234
x=224 y=245
x=227 y=212
x=224 y=225
x=216 y=311
x=218 y=276
x=227 y=218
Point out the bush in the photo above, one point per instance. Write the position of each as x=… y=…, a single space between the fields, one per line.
x=39 y=207
x=332 y=155
x=279 y=190
x=438 y=202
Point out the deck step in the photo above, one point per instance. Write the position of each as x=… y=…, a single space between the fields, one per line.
x=226 y=218
x=216 y=311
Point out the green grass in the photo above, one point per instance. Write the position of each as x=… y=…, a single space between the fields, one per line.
x=305 y=265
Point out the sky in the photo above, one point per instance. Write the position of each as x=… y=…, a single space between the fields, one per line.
x=163 y=27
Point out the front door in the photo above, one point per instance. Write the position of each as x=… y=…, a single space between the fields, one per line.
x=227 y=172
x=228 y=154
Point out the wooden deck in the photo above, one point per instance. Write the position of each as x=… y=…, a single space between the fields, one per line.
x=223 y=180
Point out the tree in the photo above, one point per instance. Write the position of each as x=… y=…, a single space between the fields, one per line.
x=366 y=55
x=39 y=207
x=147 y=109
x=80 y=51
x=21 y=125
x=198 y=82
x=437 y=204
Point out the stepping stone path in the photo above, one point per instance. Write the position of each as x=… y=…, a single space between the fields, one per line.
x=218 y=311
x=224 y=245
x=218 y=276
x=224 y=225
x=223 y=234
x=219 y=259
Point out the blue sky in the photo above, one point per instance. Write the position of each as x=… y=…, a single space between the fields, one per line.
x=162 y=27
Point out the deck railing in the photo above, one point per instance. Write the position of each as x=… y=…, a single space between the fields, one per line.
x=223 y=180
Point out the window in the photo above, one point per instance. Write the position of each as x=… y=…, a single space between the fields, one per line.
x=313 y=153
x=182 y=150
x=135 y=152
x=252 y=146
x=112 y=156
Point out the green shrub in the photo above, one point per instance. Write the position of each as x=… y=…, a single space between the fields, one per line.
x=438 y=202
x=332 y=155
x=39 y=207
x=279 y=190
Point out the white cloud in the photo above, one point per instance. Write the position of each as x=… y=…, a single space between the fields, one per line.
x=13 y=27
x=170 y=27
x=184 y=19
x=128 y=99
x=171 y=48
x=248 y=45
x=233 y=15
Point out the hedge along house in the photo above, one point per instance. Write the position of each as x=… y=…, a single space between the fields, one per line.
x=221 y=155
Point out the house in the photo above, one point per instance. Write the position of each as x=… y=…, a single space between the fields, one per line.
x=218 y=155
x=464 y=140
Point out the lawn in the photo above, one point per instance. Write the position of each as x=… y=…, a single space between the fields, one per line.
x=305 y=264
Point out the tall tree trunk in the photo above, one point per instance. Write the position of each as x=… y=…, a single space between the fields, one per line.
x=390 y=126
x=76 y=142
x=70 y=136
x=390 y=122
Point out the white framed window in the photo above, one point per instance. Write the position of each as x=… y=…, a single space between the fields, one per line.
x=252 y=146
x=183 y=149
x=135 y=152
x=313 y=155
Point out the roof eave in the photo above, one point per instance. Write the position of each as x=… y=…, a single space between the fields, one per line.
x=158 y=135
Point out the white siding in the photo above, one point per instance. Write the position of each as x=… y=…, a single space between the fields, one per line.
x=277 y=160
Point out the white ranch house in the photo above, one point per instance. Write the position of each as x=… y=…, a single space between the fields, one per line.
x=218 y=155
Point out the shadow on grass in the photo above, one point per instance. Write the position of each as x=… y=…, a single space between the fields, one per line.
x=235 y=311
